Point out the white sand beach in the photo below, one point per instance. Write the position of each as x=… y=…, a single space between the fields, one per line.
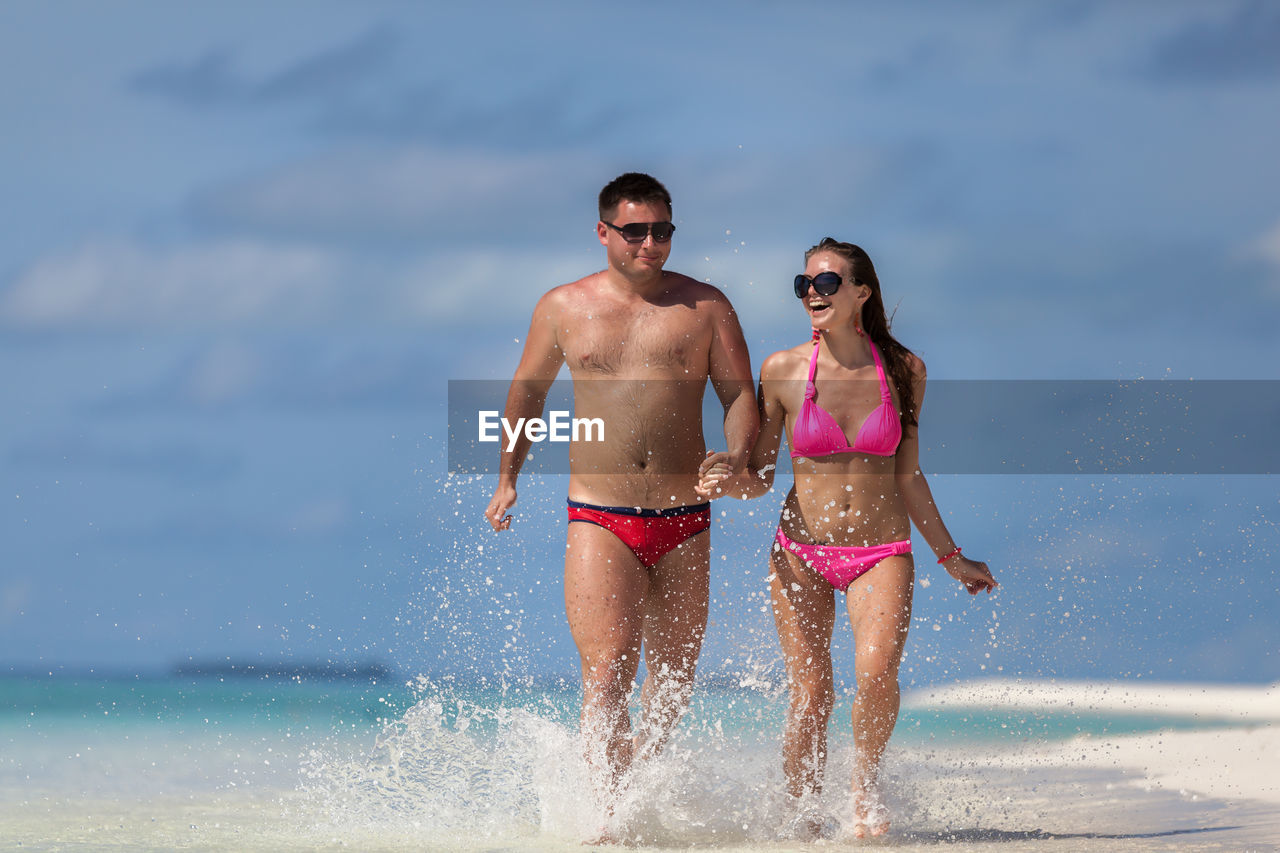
x=1210 y=702
x=1210 y=787
x=1224 y=763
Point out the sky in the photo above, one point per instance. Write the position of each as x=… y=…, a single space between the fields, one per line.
x=245 y=247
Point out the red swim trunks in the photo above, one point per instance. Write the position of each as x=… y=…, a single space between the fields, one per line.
x=649 y=533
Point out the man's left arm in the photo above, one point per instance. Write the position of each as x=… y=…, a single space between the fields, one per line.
x=730 y=374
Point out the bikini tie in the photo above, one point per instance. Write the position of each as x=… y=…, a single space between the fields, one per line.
x=811 y=390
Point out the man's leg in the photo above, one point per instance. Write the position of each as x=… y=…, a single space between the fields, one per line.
x=604 y=592
x=675 y=621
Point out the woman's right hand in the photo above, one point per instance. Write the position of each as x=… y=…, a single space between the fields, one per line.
x=973 y=574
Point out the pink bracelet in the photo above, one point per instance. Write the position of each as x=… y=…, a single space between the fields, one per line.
x=949 y=556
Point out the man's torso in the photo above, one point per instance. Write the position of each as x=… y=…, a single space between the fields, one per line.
x=640 y=365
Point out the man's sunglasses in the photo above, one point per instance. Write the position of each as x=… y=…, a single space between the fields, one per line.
x=635 y=232
x=825 y=283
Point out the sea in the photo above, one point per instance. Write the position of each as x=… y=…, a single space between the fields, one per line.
x=270 y=761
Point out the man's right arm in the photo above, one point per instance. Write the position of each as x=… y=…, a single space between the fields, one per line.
x=539 y=364
x=729 y=368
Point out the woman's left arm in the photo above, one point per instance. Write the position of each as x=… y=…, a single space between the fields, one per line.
x=914 y=489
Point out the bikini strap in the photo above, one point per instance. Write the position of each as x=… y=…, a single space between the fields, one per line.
x=811 y=390
x=885 y=396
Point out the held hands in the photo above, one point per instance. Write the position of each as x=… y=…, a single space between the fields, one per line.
x=504 y=497
x=712 y=473
x=973 y=574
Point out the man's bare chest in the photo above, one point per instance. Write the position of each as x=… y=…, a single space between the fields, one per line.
x=626 y=343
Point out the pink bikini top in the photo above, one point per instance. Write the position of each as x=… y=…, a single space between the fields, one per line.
x=816 y=432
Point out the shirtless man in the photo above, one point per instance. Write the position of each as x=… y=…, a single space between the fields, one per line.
x=641 y=343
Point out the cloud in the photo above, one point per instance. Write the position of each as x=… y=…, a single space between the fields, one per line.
x=354 y=89
x=1238 y=46
x=331 y=70
x=203 y=81
x=224 y=372
x=1265 y=250
x=1267 y=247
x=537 y=114
x=411 y=193
x=415 y=236
x=120 y=284
x=923 y=60
x=211 y=79
x=15 y=597
x=429 y=196
x=297 y=372
x=242 y=285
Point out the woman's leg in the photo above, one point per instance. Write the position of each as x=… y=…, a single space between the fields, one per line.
x=804 y=612
x=880 y=612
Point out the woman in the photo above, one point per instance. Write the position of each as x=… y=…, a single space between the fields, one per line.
x=846 y=524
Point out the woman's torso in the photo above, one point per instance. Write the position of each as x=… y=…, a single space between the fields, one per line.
x=847 y=498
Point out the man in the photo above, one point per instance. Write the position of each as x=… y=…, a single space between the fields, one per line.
x=641 y=343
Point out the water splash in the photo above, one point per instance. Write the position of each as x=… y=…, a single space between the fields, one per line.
x=473 y=770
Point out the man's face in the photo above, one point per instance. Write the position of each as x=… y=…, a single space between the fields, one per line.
x=635 y=258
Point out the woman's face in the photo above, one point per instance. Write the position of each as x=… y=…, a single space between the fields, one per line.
x=842 y=308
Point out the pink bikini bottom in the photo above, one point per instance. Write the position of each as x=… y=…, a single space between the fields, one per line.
x=842 y=565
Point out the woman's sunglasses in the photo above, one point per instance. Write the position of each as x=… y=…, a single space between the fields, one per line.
x=825 y=283
x=635 y=232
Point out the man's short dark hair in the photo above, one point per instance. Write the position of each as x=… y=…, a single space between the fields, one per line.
x=633 y=186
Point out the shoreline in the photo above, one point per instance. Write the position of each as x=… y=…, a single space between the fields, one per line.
x=1228 y=702
x=1223 y=763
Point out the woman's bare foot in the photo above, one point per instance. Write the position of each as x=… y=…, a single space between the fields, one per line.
x=610 y=832
x=871 y=818
x=806 y=824
x=603 y=837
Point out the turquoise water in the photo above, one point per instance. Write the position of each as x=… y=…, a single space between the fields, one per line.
x=161 y=701
x=46 y=703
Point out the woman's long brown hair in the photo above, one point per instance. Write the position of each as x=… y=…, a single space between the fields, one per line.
x=875 y=323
